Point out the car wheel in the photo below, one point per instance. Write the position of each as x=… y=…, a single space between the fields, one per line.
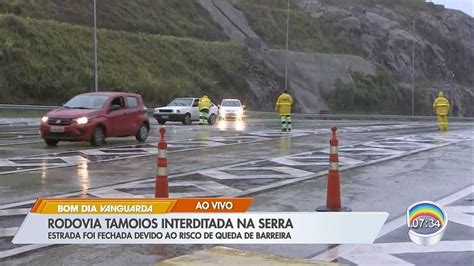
x=212 y=119
x=98 y=137
x=142 y=133
x=187 y=119
x=161 y=122
x=51 y=142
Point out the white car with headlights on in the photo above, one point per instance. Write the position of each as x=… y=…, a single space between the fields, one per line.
x=231 y=109
x=184 y=110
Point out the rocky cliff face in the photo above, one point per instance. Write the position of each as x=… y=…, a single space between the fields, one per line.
x=389 y=42
x=386 y=32
x=308 y=73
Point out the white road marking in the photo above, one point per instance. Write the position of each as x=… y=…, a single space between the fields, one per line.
x=131 y=151
x=458 y=214
x=21 y=203
x=282 y=172
x=295 y=160
x=353 y=250
x=13 y=212
x=112 y=193
x=279 y=133
x=397 y=145
x=7 y=232
x=375 y=258
x=237 y=138
x=74 y=159
x=410 y=247
x=382 y=254
x=19 y=122
x=203 y=143
x=20 y=250
x=12 y=205
x=112 y=190
x=6 y=162
x=217 y=189
x=351 y=151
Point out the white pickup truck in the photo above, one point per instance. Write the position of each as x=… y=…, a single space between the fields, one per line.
x=183 y=110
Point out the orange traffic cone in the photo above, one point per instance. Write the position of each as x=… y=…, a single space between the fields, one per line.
x=333 y=199
x=161 y=183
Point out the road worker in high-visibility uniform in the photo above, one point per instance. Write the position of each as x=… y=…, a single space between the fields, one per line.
x=283 y=107
x=204 y=107
x=441 y=109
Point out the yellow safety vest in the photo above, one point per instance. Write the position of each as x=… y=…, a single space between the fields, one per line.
x=441 y=106
x=204 y=103
x=284 y=103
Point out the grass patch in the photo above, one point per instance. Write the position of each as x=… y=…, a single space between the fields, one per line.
x=375 y=95
x=184 y=18
x=366 y=94
x=268 y=19
x=47 y=62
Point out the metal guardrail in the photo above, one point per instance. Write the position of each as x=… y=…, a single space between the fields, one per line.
x=38 y=107
x=259 y=114
x=27 y=107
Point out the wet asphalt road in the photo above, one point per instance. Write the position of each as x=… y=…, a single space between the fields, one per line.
x=195 y=148
x=428 y=165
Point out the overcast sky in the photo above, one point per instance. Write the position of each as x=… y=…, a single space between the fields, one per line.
x=467 y=6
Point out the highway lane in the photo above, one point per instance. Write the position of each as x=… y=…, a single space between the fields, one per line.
x=67 y=170
x=271 y=161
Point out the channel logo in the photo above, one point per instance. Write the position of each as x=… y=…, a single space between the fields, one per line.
x=426 y=222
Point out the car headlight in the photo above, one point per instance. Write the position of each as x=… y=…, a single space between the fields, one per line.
x=82 y=120
x=44 y=119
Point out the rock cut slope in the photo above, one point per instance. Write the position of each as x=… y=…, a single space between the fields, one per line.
x=308 y=73
x=380 y=33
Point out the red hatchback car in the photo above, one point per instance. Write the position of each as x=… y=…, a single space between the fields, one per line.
x=95 y=116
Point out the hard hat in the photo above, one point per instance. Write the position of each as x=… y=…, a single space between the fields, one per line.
x=440 y=94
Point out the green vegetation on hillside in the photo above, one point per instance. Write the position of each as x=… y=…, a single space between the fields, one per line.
x=183 y=18
x=268 y=19
x=374 y=94
x=47 y=62
x=363 y=94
